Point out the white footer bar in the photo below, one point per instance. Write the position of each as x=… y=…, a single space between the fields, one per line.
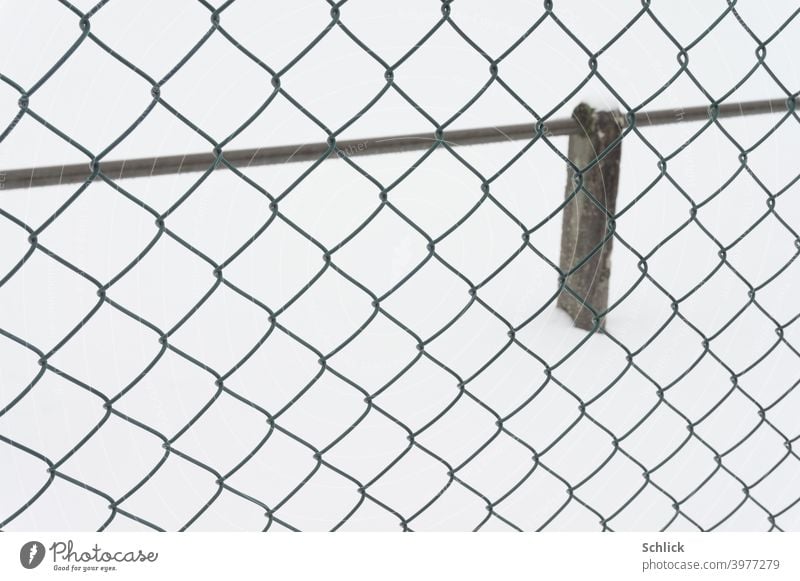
x=390 y=556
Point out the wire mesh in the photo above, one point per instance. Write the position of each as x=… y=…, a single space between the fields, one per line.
x=460 y=384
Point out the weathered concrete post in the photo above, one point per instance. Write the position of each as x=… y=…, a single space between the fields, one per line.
x=585 y=225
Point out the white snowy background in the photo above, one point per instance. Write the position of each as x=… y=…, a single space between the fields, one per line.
x=93 y=99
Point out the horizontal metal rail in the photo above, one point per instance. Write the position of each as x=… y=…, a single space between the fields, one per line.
x=196 y=162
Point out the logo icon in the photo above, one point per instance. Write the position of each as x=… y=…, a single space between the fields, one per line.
x=31 y=554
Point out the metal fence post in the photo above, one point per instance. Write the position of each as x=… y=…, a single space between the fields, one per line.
x=585 y=235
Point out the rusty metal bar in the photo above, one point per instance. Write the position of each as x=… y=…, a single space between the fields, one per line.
x=196 y=162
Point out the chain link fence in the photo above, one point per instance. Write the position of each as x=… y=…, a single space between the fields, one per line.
x=520 y=449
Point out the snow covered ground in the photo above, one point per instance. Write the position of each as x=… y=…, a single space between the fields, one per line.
x=495 y=457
